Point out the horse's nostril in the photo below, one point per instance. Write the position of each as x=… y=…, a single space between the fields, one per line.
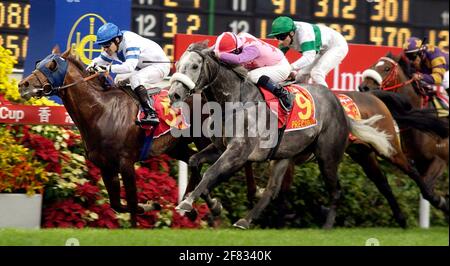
x=176 y=97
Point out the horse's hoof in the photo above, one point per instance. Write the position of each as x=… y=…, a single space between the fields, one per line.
x=184 y=207
x=242 y=224
x=216 y=207
x=192 y=215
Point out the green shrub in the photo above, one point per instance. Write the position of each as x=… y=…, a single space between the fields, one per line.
x=361 y=204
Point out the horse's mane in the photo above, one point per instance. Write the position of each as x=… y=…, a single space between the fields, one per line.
x=69 y=56
x=202 y=47
x=77 y=62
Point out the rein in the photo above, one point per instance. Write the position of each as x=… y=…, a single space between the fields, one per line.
x=77 y=82
x=216 y=76
x=393 y=77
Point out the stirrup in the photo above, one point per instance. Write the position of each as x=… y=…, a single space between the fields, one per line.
x=288 y=98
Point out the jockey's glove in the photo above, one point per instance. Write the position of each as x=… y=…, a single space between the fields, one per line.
x=103 y=69
x=98 y=68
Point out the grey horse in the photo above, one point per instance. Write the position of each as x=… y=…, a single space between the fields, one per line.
x=198 y=71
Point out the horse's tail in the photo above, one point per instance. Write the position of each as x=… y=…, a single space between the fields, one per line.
x=365 y=131
x=405 y=115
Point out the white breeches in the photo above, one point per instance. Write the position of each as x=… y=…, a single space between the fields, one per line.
x=277 y=73
x=324 y=63
x=147 y=76
x=445 y=81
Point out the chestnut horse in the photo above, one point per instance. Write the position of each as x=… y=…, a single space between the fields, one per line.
x=363 y=154
x=429 y=153
x=106 y=120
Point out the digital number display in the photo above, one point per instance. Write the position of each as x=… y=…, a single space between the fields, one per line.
x=14 y=25
x=376 y=22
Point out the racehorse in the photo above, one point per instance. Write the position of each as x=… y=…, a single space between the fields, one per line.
x=105 y=118
x=199 y=71
x=369 y=105
x=429 y=153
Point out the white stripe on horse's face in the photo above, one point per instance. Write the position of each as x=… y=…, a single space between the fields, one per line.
x=380 y=64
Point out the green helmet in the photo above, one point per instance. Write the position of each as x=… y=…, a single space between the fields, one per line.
x=282 y=25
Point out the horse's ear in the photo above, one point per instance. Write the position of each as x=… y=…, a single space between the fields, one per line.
x=73 y=53
x=56 y=50
x=205 y=43
x=68 y=52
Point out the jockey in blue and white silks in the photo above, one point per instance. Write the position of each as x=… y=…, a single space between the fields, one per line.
x=132 y=57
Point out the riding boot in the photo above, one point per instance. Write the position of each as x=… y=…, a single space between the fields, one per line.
x=151 y=117
x=285 y=97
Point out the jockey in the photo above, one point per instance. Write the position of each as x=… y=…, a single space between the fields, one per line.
x=132 y=56
x=430 y=62
x=266 y=64
x=322 y=48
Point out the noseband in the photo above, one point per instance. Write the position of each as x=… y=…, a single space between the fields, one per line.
x=55 y=79
x=393 y=77
x=187 y=82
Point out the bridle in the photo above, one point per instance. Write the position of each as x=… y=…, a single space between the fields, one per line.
x=48 y=89
x=193 y=89
x=57 y=76
x=393 y=77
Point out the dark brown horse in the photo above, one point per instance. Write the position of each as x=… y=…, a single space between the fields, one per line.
x=428 y=152
x=105 y=119
x=364 y=155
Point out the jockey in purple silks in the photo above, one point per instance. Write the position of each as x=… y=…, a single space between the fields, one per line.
x=430 y=62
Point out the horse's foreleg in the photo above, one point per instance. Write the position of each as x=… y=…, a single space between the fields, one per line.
x=129 y=181
x=273 y=187
x=112 y=184
x=229 y=162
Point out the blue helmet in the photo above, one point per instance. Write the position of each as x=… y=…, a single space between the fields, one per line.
x=107 y=32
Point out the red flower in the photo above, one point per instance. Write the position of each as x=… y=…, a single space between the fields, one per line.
x=94 y=173
x=88 y=192
x=179 y=221
x=106 y=217
x=64 y=214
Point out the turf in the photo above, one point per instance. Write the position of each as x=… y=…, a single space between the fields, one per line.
x=228 y=237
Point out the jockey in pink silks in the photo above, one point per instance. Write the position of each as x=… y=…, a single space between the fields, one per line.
x=266 y=63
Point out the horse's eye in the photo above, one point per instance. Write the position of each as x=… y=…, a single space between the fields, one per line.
x=195 y=67
x=387 y=69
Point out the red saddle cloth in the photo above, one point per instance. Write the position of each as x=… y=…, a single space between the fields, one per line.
x=351 y=109
x=169 y=117
x=303 y=114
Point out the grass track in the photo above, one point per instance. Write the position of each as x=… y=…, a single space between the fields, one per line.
x=227 y=237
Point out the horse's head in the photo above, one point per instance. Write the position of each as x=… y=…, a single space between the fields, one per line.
x=49 y=73
x=387 y=73
x=193 y=72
